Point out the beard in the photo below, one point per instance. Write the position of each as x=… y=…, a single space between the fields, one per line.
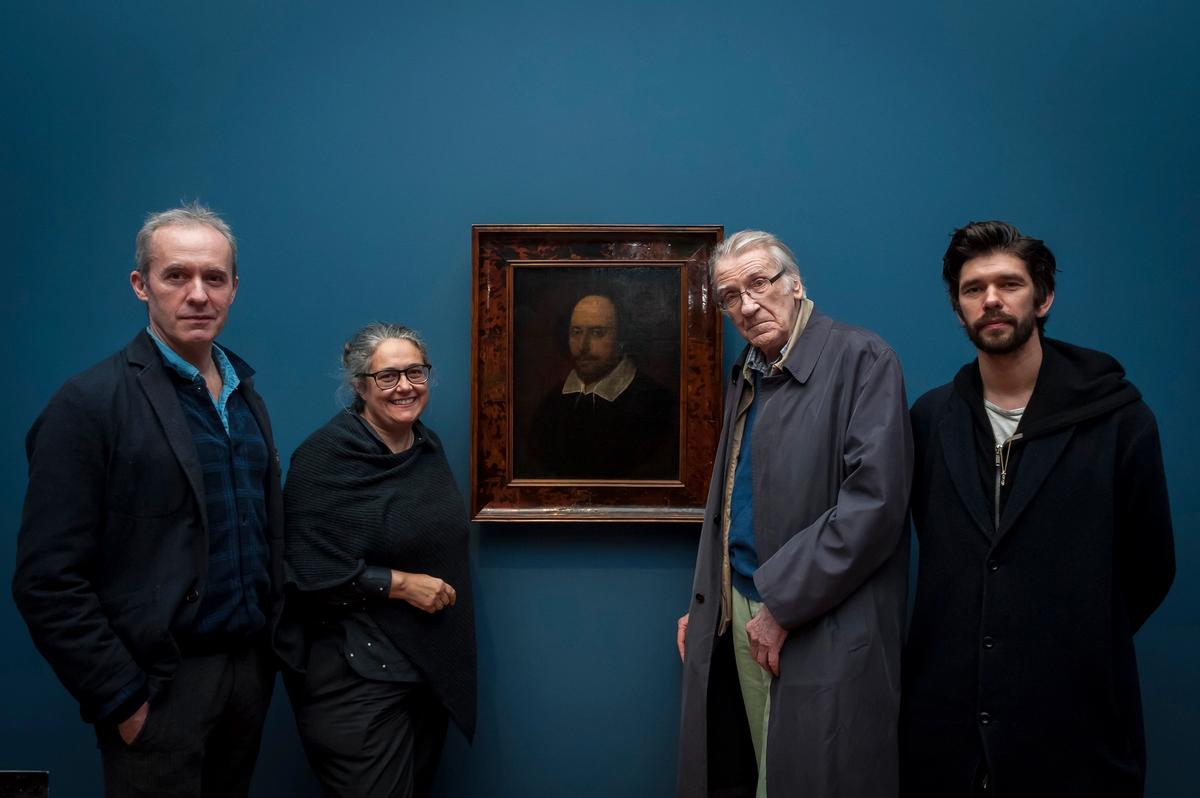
x=591 y=369
x=1002 y=343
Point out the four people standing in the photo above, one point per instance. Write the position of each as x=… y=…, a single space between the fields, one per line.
x=150 y=560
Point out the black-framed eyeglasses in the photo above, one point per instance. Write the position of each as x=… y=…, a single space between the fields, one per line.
x=387 y=379
x=757 y=288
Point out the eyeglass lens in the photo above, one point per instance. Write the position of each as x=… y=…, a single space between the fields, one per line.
x=758 y=286
x=388 y=378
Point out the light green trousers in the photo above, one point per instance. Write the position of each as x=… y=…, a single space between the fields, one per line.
x=755 y=683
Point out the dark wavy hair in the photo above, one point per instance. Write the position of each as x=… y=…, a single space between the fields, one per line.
x=978 y=239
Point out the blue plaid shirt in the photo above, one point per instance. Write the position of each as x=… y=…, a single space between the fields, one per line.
x=234 y=460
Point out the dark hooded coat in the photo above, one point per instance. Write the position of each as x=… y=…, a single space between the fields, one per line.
x=1020 y=652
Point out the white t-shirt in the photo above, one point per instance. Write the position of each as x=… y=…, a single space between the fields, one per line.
x=1004 y=422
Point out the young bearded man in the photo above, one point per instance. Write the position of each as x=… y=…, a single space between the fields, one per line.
x=1040 y=505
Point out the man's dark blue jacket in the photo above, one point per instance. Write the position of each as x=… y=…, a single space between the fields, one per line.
x=113 y=547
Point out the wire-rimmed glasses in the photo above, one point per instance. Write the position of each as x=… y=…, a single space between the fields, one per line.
x=758 y=287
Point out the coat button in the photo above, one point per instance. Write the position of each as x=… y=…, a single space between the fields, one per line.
x=993 y=565
x=192 y=596
x=988 y=642
x=984 y=718
x=699 y=598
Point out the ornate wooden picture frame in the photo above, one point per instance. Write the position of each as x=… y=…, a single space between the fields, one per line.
x=595 y=372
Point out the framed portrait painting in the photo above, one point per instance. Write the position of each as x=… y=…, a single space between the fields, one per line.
x=596 y=390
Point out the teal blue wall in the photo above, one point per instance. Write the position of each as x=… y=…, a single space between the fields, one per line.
x=352 y=145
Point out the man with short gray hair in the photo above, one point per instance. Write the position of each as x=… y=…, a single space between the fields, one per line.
x=791 y=645
x=149 y=561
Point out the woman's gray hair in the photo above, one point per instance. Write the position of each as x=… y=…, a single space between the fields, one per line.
x=191 y=213
x=358 y=351
x=747 y=241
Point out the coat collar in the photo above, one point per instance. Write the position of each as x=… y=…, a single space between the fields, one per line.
x=1038 y=460
x=143 y=352
x=959 y=449
x=154 y=379
x=803 y=353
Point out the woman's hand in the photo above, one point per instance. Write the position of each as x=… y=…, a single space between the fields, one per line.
x=425 y=592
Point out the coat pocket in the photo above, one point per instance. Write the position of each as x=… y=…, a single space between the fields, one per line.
x=834 y=648
x=138 y=619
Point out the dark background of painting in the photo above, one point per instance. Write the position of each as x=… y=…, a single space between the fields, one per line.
x=543 y=297
x=352 y=146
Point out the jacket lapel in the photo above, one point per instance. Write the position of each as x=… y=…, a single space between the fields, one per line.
x=806 y=350
x=958 y=449
x=152 y=378
x=1037 y=460
x=732 y=391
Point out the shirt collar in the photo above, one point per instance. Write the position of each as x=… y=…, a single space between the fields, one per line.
x=229 y=375
x=610 y=387
x=756 y=361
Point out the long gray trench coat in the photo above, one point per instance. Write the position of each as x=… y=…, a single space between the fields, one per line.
x=832 y=454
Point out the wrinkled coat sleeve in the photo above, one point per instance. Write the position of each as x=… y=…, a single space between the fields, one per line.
x=824 y=563
x=1144 y=537
x=58 y=557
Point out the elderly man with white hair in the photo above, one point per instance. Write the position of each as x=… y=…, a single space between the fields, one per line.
x=791 y=644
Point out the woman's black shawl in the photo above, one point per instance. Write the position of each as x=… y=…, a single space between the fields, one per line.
x=349 y=503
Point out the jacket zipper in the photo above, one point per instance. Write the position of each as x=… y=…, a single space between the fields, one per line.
x=1002 y=458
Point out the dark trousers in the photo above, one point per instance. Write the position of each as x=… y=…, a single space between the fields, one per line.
x=201 y=735
x=364 y=738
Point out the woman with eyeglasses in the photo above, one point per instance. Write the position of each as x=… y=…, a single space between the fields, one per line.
x=377 y=562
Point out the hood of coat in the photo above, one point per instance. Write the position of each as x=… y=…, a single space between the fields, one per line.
x=1074 y=384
